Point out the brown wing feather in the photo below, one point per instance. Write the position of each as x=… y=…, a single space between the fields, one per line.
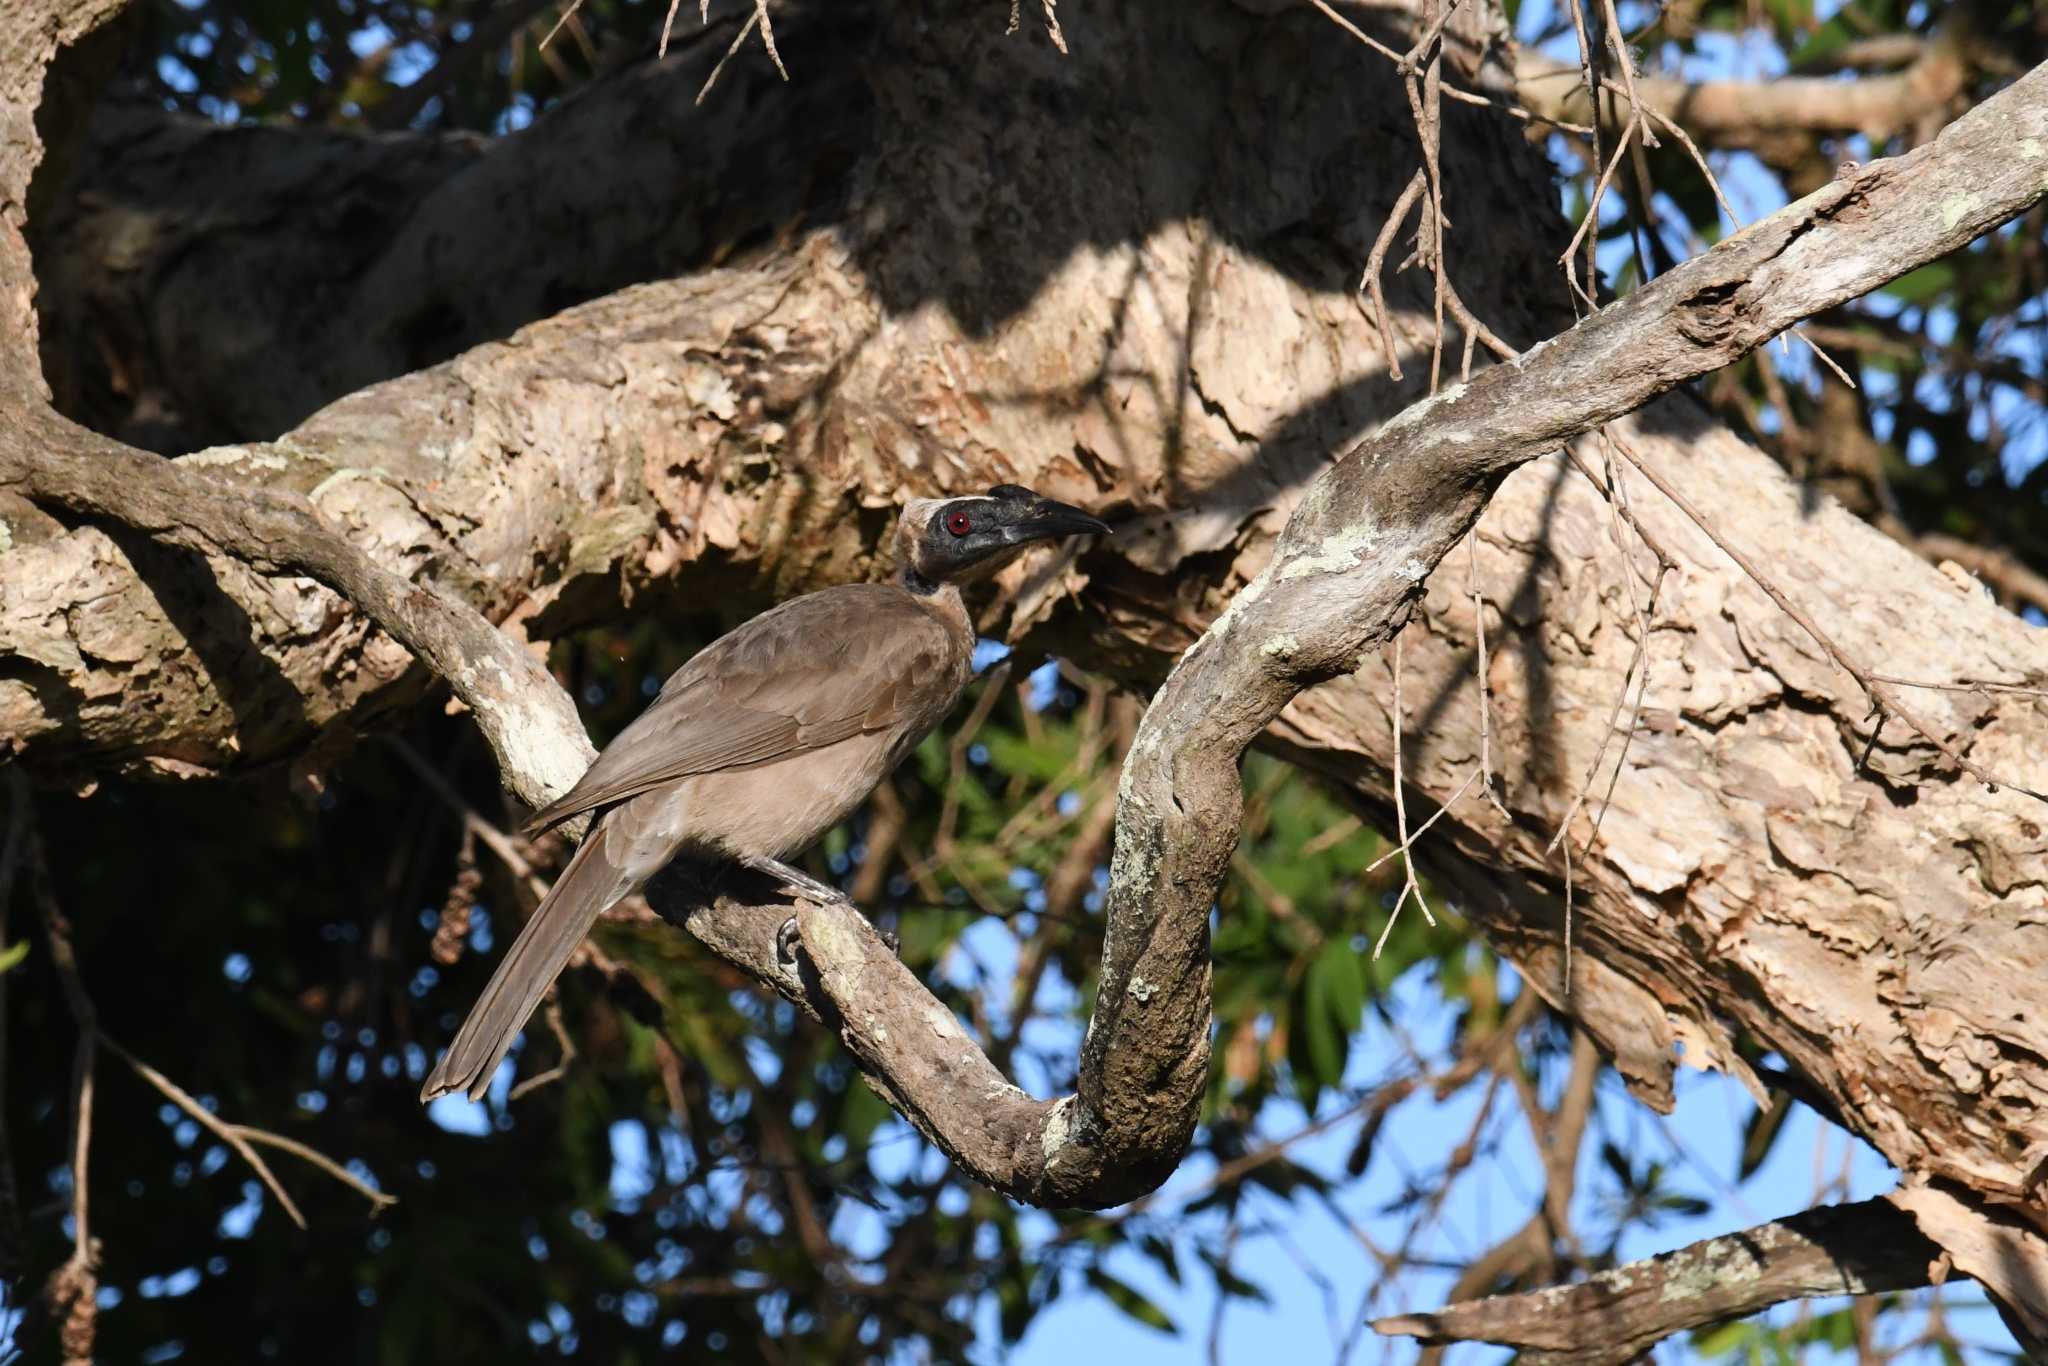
x=809 y=673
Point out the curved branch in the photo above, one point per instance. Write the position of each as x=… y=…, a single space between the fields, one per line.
x=530 y=722
x=1346 y=573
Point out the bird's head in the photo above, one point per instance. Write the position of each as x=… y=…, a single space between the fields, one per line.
x=958 y=540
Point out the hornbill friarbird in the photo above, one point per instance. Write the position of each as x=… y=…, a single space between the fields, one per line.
x=768 y=737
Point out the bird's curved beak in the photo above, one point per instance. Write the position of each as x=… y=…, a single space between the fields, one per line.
x=1046 y=519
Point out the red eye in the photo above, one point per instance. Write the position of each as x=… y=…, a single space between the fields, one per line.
x=959 y=523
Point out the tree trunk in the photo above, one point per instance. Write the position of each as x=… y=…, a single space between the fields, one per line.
x=940 y=259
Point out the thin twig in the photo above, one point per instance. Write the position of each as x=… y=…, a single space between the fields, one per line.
x=561 y=1067
x=1375 y=44
x=379 y=1200
x=72 y=1291
x=13 y=1242
x=1485 y=681
x=572 y=7
x=1401 y=849
x=1401 y=823
x=1376 y=262
x=1965 y=685
x=473 y=822
x=227 y=1133
x=753 y=18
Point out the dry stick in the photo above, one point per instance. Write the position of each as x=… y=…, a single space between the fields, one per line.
x=1376 y=261
x=575 y=5
x=1880 y=693
x=1425 y=107
x=1600 y=755
x=1485 y=683
x=1569 y=260
x=1402 y=848
x=241 y=1136
x=227 y=1133
x=1052 y=27
x=738 y=38
x=1619 y=495
x=1965 y=685
x=1587 y=63
x=1655 y=115
x=1375 y=44
x=1628 y=70
x=305 y=1153
x=768 y=37
x=561 y=1067
x=72 y=1290
x=1408 y=64
x=13 y=1248
x=237 y=1136
x=473 y=822
x=1401 y=823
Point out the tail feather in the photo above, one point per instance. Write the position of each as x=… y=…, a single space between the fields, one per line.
x=586 y=889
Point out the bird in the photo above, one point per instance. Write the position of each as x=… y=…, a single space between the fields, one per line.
x=766 y=739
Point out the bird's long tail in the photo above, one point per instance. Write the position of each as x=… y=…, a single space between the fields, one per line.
x=589 y=886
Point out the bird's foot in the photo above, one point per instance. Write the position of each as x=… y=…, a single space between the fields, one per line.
x=786 y=940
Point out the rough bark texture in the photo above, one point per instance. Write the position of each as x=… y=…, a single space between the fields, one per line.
x=940 y=287
x=1616 y=1316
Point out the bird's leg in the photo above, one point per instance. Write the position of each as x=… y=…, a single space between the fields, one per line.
x=793 y=878
x=797 y=880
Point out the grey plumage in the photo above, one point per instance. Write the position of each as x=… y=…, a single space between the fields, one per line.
x=766 y=739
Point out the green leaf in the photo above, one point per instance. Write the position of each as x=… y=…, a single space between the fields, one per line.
x=1318 y=1032
x=1760 y=1133
x=1130 y=1301
x=1343 y=985
x=1919 y=286
x=1161 y=1251
x=11 y=956
x=1233 y=1286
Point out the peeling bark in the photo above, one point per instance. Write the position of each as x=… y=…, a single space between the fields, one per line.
x=990 y=296
x=1616 y=1316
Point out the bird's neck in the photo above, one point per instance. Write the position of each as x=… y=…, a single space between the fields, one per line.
x=943 y=601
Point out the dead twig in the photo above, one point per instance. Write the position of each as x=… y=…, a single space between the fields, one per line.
x=1409 y=884
x=561 y=1067
x=72 y=1292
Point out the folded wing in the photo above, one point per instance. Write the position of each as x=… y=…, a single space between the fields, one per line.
x=810 y=673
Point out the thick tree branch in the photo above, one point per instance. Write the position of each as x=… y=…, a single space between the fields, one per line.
x=530 y=722
x=1618 y=1315
x=1347 y=570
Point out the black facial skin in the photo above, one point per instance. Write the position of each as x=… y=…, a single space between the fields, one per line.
x=969 y=531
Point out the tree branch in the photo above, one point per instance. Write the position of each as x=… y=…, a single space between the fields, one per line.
x=1752 y=113
x=530 y=722
x=1618 y=1315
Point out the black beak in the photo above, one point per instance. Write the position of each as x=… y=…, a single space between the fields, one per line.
x=1046 y=520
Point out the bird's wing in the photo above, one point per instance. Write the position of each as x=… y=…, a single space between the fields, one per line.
x=809 y=673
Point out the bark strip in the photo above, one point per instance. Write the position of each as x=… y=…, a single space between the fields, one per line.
x=1617 y=1316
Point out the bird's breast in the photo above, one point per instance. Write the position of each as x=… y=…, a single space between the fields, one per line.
x=778 y=809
